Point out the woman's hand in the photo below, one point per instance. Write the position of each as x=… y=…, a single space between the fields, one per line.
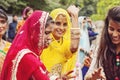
x=98 y=74
x=66 y=76
x=87 y=61
x=73 y=10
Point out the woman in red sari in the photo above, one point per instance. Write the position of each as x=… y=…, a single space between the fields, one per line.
x=22 y=60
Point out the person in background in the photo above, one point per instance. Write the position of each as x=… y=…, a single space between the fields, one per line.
x=4 y=45
x=106 y=64
x=82 y=59
x=99 y=27
x=12 y=28
x=26 y=13
x=59 y=58
x=91 y=30
x=84 y=38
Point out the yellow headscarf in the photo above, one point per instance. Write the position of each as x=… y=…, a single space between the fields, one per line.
x=54 y=15
x=58 y=53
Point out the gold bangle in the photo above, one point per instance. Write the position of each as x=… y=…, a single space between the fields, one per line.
x=75 y=36
x=75 y=32
x=75 y=28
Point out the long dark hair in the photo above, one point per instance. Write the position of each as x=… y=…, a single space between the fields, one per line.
x=49 y=20
x=106 y=51
x=4 y=16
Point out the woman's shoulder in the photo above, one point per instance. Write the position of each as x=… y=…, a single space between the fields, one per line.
x=27 y=56
x=30 y=56
x=31 y=60
x=8 y=43
x=7 y=46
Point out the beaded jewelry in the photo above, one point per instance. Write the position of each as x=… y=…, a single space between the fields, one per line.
x=116 y=78
x=75 y=33
x=117 y=65
x=117 y=60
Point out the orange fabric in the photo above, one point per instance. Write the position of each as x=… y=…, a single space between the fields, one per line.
x=19 y=25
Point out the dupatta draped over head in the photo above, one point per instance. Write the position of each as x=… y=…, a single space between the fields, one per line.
x=54 y=15
x=58 y=53
x=84 y=38
x=30 y=37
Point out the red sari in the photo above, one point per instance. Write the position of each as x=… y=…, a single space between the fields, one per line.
x=22 y=60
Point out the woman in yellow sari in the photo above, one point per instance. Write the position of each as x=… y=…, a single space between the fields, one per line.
x=4 y=45
x=60 y=56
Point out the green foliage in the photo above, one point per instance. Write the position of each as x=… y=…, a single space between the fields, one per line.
x=89 y=7
x=6 y=3
x=16 y=6
x=102 y=8
x=96 y=17
x=96 y=9
x=52 y=4
x=37 y=4
x=63 y=2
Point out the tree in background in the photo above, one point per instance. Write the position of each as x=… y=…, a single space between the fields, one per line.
x=6 y=3
x=96 y=9
x=16 y=6
x=102 y=7
x=89 y=7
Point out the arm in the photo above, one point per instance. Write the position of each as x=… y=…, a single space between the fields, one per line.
x=94 y=73
x=86 y=66
x=84 y=70
x=75 y=30
x=39 y=75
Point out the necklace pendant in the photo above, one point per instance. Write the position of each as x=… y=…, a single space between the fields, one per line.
x=117 y=60
x=116 y=78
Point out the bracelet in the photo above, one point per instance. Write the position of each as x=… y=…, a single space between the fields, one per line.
x=75 y=28
x=74 y=37
x=75 y=31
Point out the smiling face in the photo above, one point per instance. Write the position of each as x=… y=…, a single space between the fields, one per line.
x=47 y=38
x=48 y=31
x=114 y=32
x=60 y=26
x=3 y=26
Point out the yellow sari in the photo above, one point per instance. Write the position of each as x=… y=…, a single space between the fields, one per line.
x=3 y=53
x=57 y=57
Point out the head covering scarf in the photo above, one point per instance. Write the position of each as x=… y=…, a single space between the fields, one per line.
x=29 y=37
x=54 y=15
x=60 y=50
x=84 y=38
x=25 y=11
